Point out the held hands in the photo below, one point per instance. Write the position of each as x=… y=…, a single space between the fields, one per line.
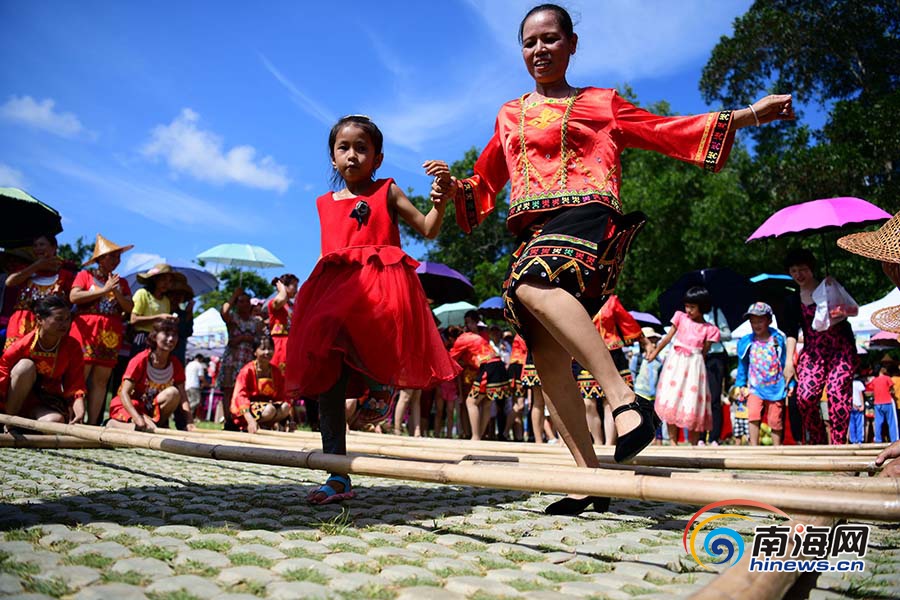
x=442 y=186
x=52 y=263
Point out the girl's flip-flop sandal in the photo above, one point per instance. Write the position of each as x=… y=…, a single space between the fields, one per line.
x=332 y=495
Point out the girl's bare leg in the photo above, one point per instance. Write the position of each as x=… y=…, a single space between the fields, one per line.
x=673 y=434
x=609 y=425
x=400 y=411
x=97 y=382
x=479 y=415
x=595 y=425
x=537 y=414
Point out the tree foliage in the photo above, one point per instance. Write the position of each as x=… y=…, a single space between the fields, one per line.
x=77 y=252
x=842 y=58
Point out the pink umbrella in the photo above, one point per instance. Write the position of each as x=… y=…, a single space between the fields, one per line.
x=820 y=216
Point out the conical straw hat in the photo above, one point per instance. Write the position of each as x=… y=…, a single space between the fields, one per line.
x=881 y=244
x=887 y=319
x=104 y=246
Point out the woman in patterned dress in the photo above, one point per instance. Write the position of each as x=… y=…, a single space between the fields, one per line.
x=243 y=330
x=46 y=276
x=102 y=299
x=560 y=146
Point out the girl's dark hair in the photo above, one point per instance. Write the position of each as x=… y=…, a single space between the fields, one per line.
x=263 y=339
x=44 y=307
x=698 y=295
x=364 y=123
x=159 y=326
x=286 y=279
x=563 y=18
x=799 y=256
x=47 y=236
x=472 y=314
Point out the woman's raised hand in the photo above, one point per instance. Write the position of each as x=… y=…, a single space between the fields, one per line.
x=778 y=107
x=441 y=187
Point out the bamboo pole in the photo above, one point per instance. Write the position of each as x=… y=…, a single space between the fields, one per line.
x=739 y=583
x=50 y=442
x=877 y=485
x=885 y=507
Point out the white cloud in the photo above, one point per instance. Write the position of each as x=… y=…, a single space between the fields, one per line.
x=10 y=177
x=139 y=261
x=42 y=115
x=159 y=204
x=188 y=149
x=305 y=102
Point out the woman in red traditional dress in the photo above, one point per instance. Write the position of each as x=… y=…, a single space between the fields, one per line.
x=46 y=276
x=363 y=312
x=102 y=299
x=42 y=374
x=280 y=309
x=560 y=145
x=258 y=397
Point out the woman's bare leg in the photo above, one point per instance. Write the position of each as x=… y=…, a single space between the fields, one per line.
x=97 y=382
x=609 y=425
x=570 y=326
x=537 y=414
x=595 y=425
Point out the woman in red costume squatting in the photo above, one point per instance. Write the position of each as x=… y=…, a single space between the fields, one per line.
x=362 y=314
x=560 y=145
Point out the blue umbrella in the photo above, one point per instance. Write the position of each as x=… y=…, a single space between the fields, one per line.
x=200 y=280
x=492 y=308
x=241 y=255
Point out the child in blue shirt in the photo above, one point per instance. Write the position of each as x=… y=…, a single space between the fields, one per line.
x=761 y=360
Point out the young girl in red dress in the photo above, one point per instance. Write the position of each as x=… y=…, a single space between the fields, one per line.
x=258 y=397
x=362 y=314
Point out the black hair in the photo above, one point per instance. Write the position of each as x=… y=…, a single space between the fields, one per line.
x=364 y=123
x=799 y=256
x=472 y=314
x=286 y=279
x=47 y=236
x=44 y=307
x=159 y=326
x=200 y=357
x=698 y=295
x=260 y=340
x=563 y=18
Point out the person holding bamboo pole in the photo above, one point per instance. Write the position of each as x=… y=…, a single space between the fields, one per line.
x=42 y=373
x=153 y=385
x=560 y=147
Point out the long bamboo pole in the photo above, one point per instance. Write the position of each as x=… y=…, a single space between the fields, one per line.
x=830 y=483
x=642 y=487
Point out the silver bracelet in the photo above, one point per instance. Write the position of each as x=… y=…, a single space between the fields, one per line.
x=755 y=117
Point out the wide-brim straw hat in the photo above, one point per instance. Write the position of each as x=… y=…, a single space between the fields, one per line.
x=104 y=246
x=887 y=319
x=882 y=244
x=160 y=269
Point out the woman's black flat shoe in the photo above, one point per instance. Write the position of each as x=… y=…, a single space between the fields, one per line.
x=572 y=506
x=629 y=445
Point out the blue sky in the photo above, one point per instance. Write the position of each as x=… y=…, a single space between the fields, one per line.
x=176 y=126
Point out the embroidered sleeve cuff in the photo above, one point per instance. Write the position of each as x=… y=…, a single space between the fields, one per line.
x=720 y=142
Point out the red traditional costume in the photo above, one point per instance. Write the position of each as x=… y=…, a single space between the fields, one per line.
x=618 y=328
x=563 y=158
x=279 y=327
x=148 y=382
x=363 y=306
x=484 y=369
x=98 y=325
x=517 y=357
x=60 y=372
x=38 y=286
x=252 y=393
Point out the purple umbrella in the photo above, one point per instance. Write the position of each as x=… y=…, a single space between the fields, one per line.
x=819 y=216
x=643 y=317
x=442 y=284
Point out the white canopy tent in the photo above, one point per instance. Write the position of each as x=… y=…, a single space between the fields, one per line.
x=862 y=322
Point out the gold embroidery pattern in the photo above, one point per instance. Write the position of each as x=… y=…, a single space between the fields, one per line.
x=546 y=117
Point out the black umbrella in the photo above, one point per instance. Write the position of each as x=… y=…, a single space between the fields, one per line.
x=731 y=293
x=25 y=218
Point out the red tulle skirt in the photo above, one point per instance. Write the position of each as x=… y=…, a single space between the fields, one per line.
x=364 y=307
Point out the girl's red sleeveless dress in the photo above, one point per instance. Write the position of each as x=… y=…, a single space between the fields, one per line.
x=363 y=306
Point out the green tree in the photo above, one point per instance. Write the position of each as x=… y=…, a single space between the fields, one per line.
x=229 y=280
x=483 y=255
x=77 y=252
x=841 y=58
